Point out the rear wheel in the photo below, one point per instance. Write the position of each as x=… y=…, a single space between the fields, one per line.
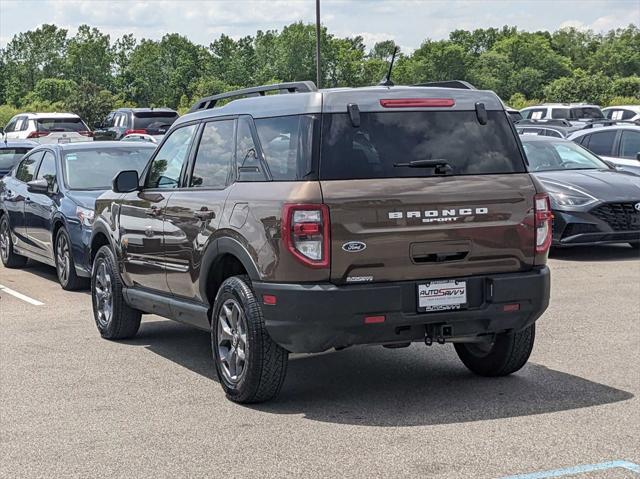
x=250 y=365
x=8 y=257
x=506 y=354
x=65 y=267
x=114 y=317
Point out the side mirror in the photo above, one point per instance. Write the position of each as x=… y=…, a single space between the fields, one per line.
x=126 y=182
x=38 y=186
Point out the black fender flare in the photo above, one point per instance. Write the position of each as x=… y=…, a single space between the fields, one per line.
x=222 y=246
x=99 y=228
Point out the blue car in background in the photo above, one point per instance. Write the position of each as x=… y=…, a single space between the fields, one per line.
x=47 y=203
x=11 y=152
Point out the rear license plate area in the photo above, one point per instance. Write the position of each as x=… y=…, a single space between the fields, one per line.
x=443 y=295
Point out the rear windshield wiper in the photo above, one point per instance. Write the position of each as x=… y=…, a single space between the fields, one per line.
x=442 y=167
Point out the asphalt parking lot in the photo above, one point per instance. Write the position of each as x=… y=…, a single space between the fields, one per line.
x=74 y=405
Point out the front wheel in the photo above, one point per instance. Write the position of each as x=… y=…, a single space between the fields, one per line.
x=8 y=257
x=250 y=365
x=114 y=317
x=506 y=354
x=65 y=266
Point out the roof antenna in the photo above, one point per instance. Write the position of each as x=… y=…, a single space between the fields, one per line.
x=386 y=81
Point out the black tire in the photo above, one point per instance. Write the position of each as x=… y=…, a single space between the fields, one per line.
x=65 y=266
x=9 y=258
x=265 y=363
x=123 y=321
x=635 y=245
x=508 y=353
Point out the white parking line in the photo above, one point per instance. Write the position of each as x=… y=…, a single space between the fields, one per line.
x=21 y=296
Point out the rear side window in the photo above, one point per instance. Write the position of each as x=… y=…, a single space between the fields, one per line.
x=215 y=154
x=601 y=143
x=560 y=113
x=535 y=114
x=287 y=145
x=630 y=144
x=384 y=140
x=27 y=167
x=586 y=113
x=60 y=124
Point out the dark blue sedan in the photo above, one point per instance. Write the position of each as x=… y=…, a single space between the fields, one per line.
x=47 y=203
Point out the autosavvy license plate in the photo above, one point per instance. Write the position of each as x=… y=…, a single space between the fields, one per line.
x=442 y=295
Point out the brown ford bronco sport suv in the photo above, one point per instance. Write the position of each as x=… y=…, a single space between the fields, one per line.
x=297 y=220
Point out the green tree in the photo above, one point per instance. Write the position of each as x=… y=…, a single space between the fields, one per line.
x=581 y=86
x=89 y=57
x=31 y=56
x=92 y=103
x=52 y=90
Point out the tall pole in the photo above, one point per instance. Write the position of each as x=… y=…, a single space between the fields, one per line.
x=318 y=74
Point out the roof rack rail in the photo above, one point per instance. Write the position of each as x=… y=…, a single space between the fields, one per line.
x=541 y=122
x=610 y=122
x=291 y=87
x=464 y=85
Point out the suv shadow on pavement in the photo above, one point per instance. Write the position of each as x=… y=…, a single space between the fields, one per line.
x=373 y=386
x=622 y=252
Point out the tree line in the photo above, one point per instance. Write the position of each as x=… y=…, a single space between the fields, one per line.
x=47 y=69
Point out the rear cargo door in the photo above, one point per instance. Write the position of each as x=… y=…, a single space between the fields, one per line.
x=394 y=220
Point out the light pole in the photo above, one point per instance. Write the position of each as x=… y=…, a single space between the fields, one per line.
x=318 y=75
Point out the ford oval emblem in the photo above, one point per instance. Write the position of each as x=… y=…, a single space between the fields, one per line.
x=354 y=246
x=637 y=206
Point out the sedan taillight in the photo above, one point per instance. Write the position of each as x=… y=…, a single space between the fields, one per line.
x=86 y=133
x=543 y=217
x=305 y=231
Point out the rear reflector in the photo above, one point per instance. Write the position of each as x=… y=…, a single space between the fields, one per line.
x=269 y=299
x=417 y=102
x=374 y=319
x=508 y=308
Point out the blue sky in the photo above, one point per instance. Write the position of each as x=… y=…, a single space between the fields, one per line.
x=408 y=22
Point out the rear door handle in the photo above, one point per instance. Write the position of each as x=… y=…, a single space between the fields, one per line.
x=204 y=214
x=153 y=211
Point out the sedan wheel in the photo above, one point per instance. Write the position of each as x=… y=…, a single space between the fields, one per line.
x=63 y=259
x=5 y=240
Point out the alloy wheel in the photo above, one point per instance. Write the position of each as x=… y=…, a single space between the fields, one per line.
x=5 y=240
x=102 y=292
x=63 y=259
x=231 y=336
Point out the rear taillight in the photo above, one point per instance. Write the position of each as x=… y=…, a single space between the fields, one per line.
x=135 y=132
x=305 y=231
x=37 y=134
x=417 y=102
x=86 y=133
x=543 y=217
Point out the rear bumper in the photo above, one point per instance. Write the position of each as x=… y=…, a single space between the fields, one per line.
x=316 y=317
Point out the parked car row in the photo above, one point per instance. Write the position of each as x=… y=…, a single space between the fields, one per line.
x=46 y=128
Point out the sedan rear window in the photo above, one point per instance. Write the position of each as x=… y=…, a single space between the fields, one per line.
x=384 y=140
x=10 y=156
x=61 y=124
x=95 y=169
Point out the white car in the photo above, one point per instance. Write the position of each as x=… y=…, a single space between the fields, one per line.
x=619 y=144
x=575 y=113
x=623 y=112
x=48 y=128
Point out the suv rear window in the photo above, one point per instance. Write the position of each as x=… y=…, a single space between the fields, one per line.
x=153 y=119
x=384 y=139
x=61 y=124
